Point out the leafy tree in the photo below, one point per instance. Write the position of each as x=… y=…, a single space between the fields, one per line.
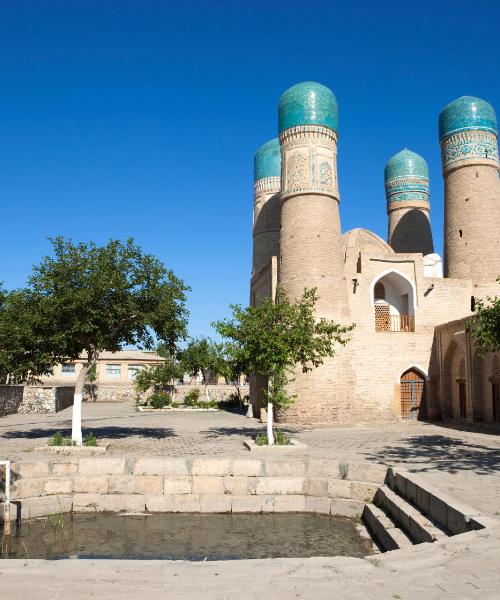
x=485 y=324
x=272 y=338
x=203 y=356
x=92 y=298
x=159 y=377
x=25 y=352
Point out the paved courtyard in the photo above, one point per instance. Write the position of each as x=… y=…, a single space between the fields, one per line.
x=464 y=463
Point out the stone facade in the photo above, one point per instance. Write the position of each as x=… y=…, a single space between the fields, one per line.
x=393 y=292
x=36 y=399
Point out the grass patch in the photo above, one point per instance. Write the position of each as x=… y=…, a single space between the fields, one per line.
x=59 y=440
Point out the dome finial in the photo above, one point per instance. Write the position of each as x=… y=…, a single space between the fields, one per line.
x=308 y=103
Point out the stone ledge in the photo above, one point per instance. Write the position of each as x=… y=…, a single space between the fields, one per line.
x=72 y=450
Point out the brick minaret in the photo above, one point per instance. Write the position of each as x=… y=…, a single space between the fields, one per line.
x=407 y=192
x=310 y=255
x=266 y=213
x=469 y=154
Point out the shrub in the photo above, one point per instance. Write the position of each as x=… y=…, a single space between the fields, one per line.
x=193 y=398
x=90 y=440
x=159 y=400
x=175 y=405
x=280 y=438
x=58 y=440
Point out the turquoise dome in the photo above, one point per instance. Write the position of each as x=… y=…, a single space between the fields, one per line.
x=267 y=161
x=406 y=164
x=467 y=112
x=308 y=103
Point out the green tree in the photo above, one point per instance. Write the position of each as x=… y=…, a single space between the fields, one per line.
x=25 y=352
x=485 y=324
x=274 y=337
x=202 y=355
x=92 y=298
x=160 y=377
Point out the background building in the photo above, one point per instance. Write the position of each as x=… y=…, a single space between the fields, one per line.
x=394 y=291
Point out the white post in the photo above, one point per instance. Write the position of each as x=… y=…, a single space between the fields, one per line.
x=76 y=424
x=270 y=436
x=6 y=510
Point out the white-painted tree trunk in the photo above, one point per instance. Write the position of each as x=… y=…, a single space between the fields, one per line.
x=249 y=414
x=270 y=436
x=76 y=424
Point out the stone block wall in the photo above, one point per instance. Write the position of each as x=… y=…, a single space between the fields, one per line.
x=11 y=397
x=34 y=399
x=156 y=484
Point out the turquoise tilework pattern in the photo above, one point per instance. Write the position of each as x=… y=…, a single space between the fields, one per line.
x=406 y=177
x=308 y=103
x=267 y=161
x=465 y=113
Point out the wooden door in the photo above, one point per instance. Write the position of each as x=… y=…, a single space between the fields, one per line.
x=412 y=394
x=495 y=392
x=462 y=399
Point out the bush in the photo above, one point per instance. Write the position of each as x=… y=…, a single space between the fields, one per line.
x=280 y=438
x=175 y=405
x=90 y=440
x=193 y=398
x=58 y=440
x=159 y=400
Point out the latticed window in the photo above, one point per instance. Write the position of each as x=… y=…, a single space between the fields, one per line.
x=379 y=291
x=382 y=317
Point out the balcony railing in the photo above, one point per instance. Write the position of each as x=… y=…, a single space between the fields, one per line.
x=398 y=323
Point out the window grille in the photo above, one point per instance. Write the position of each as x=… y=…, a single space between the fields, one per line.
x=379 y=291
x=382 y=317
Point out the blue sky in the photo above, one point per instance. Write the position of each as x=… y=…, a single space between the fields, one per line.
x=140 y=118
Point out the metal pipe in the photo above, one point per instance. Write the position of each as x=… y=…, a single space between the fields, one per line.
x=6 y=508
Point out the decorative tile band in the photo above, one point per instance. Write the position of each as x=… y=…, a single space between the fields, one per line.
x=407 y=189
x=469 y=147
x=309 y=161
x=267 y=185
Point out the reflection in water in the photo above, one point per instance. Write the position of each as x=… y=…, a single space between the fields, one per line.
x=184 y=537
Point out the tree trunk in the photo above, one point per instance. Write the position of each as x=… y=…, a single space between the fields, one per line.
x=270 y=435
x=76 y=424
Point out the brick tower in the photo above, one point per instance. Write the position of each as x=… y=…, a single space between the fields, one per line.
x=407 y=191
x=266 y=213
x=469 y=155
x=310 y=255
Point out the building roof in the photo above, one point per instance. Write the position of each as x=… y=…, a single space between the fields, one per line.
x=132 y=355
x=267 y=161
x=465 y=113
x=308 y=103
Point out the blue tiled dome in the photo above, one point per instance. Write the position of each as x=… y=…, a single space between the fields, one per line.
x=406 y=164
x=267 y=161
x=308 y=103
x=467 y=112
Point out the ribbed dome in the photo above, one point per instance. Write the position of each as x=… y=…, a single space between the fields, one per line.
x=467 y=112
x=308 y=103
x=406 y=164
x=267 y=161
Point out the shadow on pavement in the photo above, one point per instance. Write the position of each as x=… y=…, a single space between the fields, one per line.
x=111 y=432
x=439 y=453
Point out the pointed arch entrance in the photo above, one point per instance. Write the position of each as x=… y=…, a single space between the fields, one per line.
x=412 y=394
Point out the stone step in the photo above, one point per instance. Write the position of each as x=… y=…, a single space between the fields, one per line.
x=449 y=514
x=384 y=530
x=416 y=525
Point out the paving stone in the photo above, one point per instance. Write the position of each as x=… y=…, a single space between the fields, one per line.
x=209 y=466
x=339 y=488
x=59 y=485
x=250 y=467
x=208 y=485
x=246 y=504
x=276 y=485
x=316 y=504
x=161 y=466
